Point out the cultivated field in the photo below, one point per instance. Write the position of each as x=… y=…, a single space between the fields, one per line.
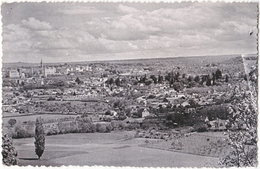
x=110 y=149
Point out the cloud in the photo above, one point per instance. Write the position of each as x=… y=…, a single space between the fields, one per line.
x=127 y=9
x=15 y=32
x=79 y=10
x=88 y=30
x=35 y=24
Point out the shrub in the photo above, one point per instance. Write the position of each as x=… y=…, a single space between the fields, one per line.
x=86 y=127
x=68 y=127
x=103 y=128
x=8 y=151
x=12 y=122
x=200 y=127
x=51 y=98
x=121 y=125
x=21 y=132
x=52 y=129
x=115 y=125
x=109 y=128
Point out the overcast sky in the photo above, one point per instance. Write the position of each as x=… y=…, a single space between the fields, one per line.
x=62 y=32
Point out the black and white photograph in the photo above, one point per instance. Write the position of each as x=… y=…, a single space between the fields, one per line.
x=129 y=84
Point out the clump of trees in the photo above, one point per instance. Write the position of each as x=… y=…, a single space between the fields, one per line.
x=242 y=135
x=8 y=151
x=39 y=138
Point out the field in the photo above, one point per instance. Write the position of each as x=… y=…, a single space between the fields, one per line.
x=110 y=149
x=20 y=119
x=211 y=144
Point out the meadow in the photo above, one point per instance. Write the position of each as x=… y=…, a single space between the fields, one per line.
x=109 y=149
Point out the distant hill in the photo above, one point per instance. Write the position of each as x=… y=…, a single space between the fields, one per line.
x=181 y=60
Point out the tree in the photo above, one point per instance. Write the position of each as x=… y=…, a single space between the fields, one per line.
x=177 y=86
x=8 y=151
x=190 y=78
x=168 y=77
x=110 y=81
x=78 y=81
x=148 y=82
x=242 y=134
x=153 y=77
x=226 y=80
x=197 y=79
x=117 y=81
x=160 y=79
x=213 y=79
x=39 y=138
x=183 y=75
x=208 y=82
x=12 y=122
x=218 y=74
x=176 y=76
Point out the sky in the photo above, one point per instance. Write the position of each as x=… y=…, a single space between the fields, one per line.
x=64 y=32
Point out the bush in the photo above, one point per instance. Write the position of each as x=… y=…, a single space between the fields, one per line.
x=8 y=151
x=51 y=98
x=21 y=132
x=103 y=127
x=86 y=127
x=200 y=128
x=115 y=125
x=12 y=122
x=109 y=128
x=52 y=129
x=68 y=127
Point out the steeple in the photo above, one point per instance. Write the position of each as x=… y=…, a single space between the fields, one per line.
x=42 y=68
x=41 y=64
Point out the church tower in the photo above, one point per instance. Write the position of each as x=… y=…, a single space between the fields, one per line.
x=42 y=68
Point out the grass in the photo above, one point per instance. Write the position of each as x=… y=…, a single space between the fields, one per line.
x=205 y=144
x=20 y=119
x=110 y=149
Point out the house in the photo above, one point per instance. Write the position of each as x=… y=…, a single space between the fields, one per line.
x=113 y=113
x=14 y=73
x=49 y=71
x=186 y=103
x=145 y=113
x=217 y=124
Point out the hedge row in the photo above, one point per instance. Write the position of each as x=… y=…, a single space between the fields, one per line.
x=75 y=126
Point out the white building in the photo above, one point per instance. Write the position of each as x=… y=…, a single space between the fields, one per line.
x=145 y=113
x=49 y=71
x=14 y=73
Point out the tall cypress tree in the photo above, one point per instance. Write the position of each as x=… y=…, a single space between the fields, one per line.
x=39 y=138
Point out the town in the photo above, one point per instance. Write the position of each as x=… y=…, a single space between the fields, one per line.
x=128 y=84
x=158 y=99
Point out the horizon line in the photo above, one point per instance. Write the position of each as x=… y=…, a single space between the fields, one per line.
x=131 y=59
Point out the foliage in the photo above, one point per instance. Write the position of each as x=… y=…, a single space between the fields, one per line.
x=12 y=122
x=242 y=135
x=39 y=138
x=8 y=151
x=218 y=74
x=78 y=81
x=200 y=127
x=21 y=132
x=101 y=128
x=226 y=79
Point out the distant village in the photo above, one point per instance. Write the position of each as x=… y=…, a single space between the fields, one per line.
x=109 y=92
